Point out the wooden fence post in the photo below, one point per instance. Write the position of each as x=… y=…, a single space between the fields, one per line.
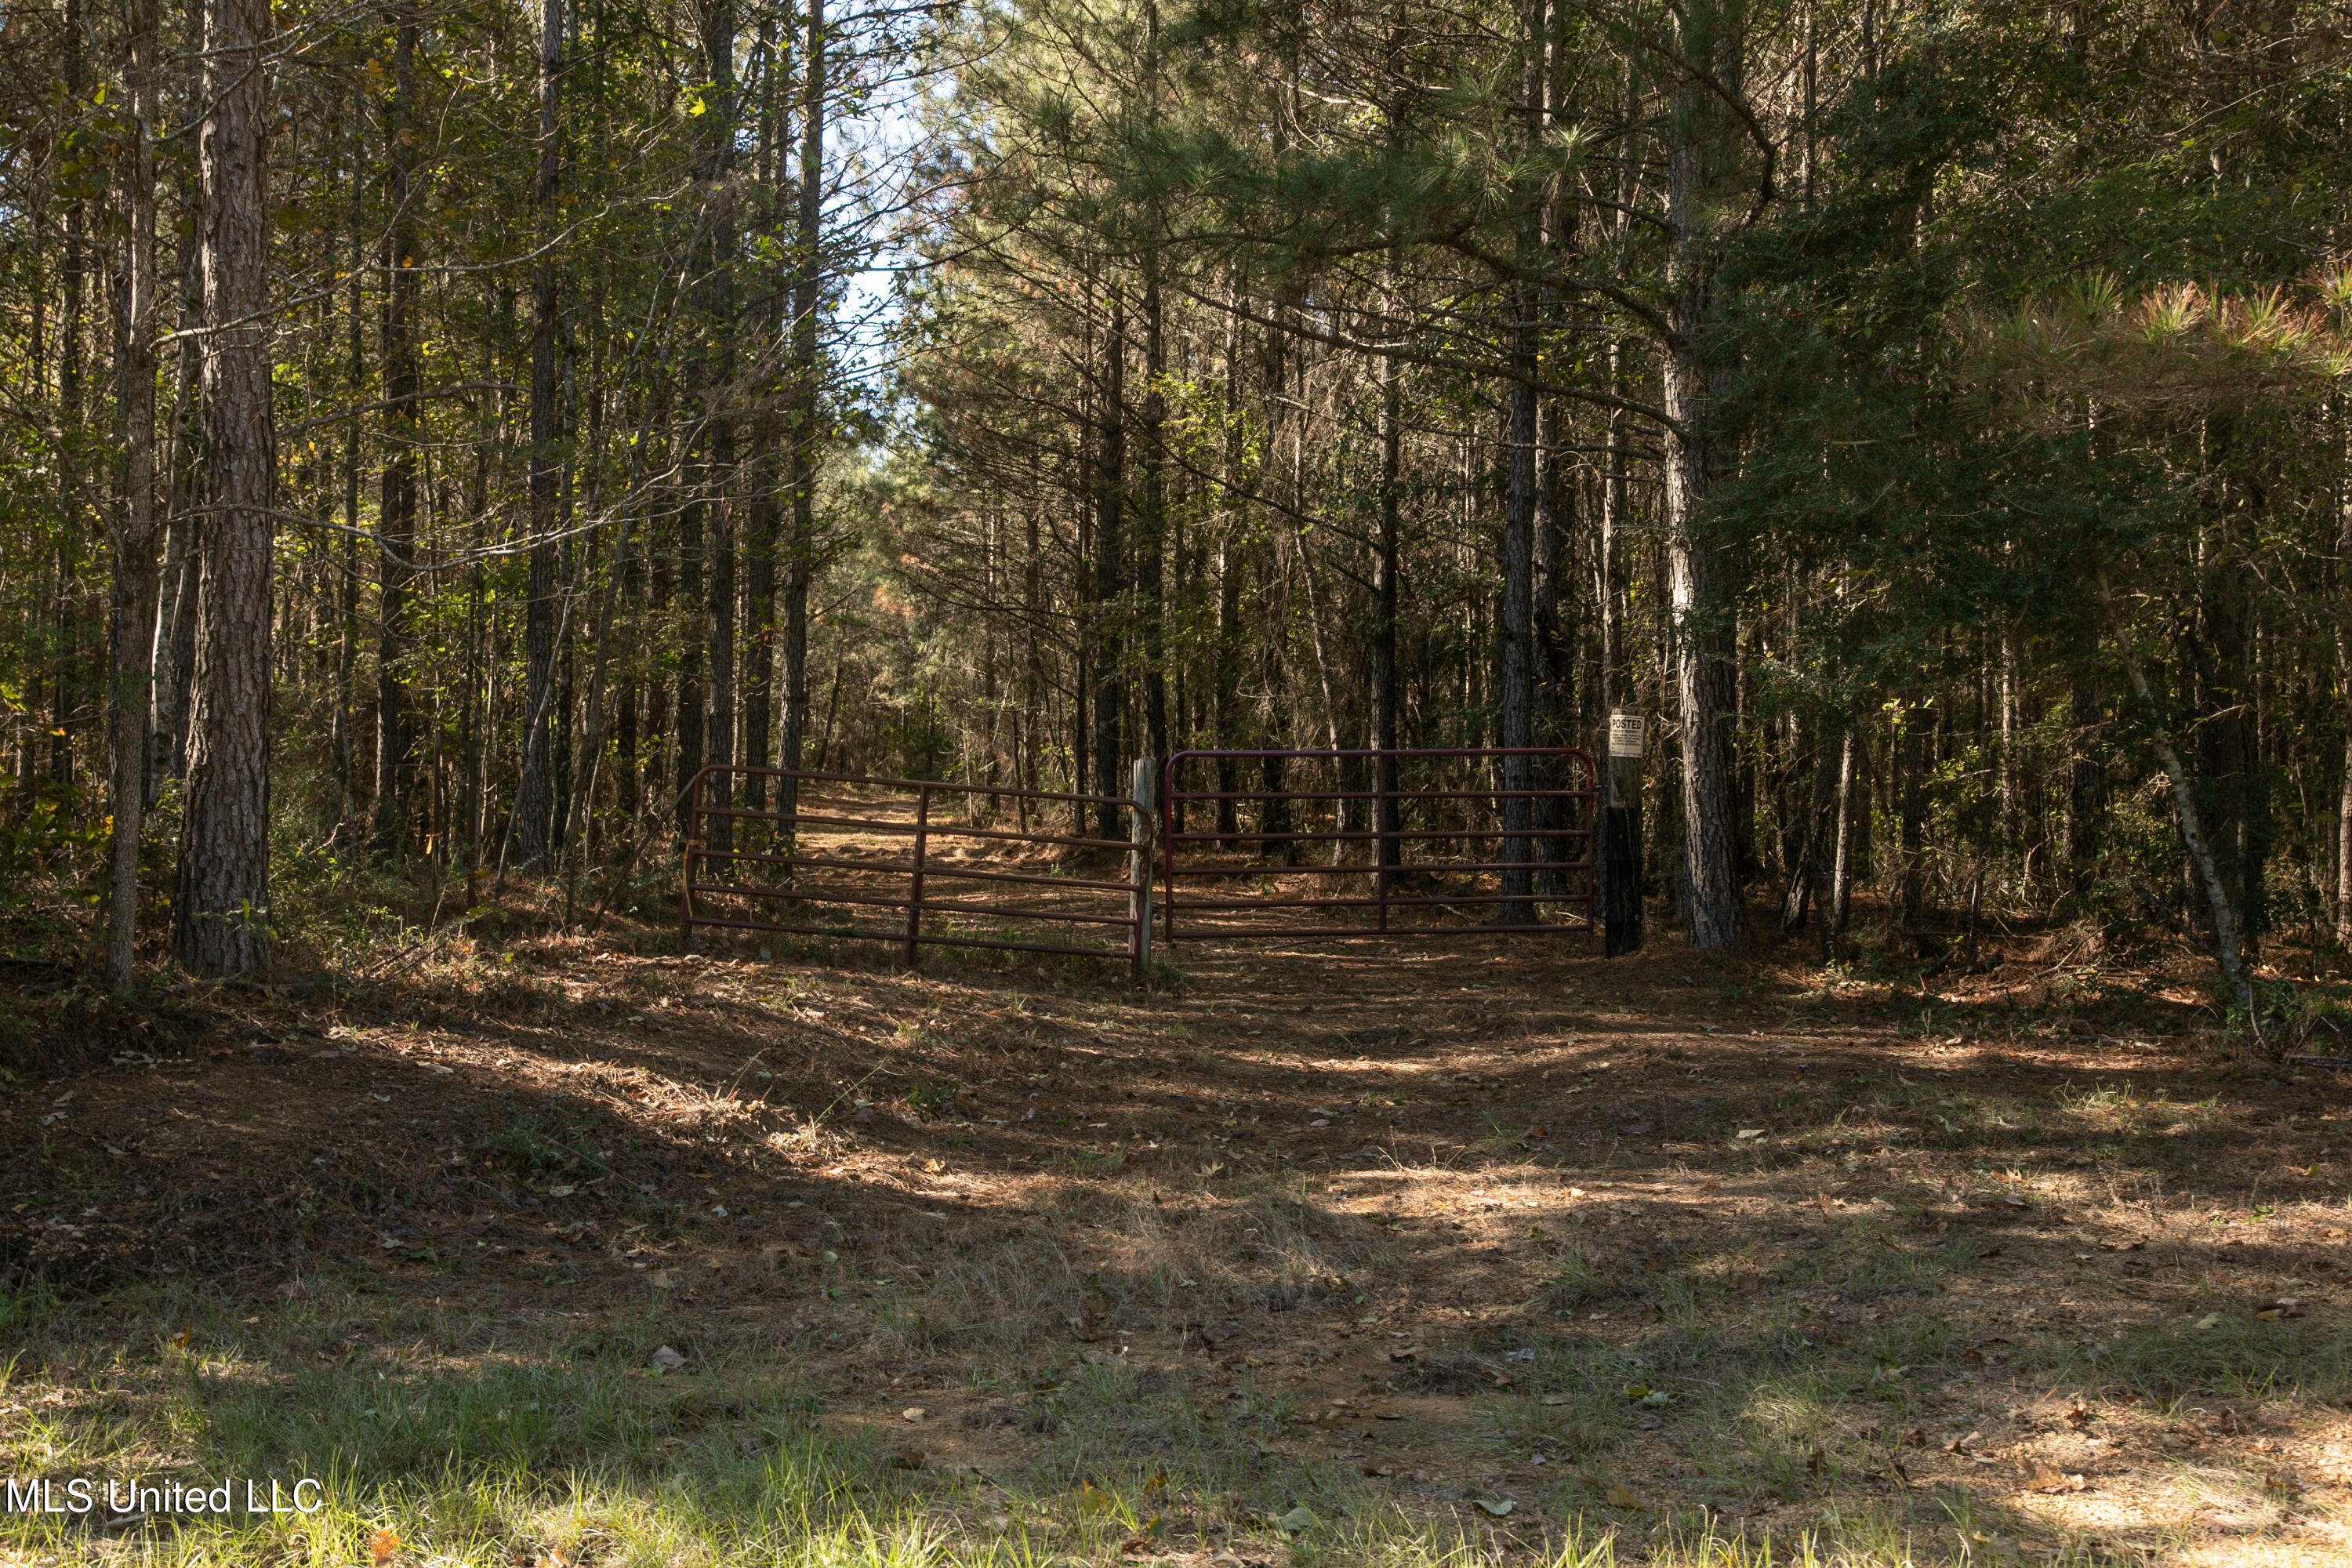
x=1621 y=836
x=1144 y=791
x=913 y=953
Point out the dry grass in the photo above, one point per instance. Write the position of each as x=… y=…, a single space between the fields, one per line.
x=1674 y=1260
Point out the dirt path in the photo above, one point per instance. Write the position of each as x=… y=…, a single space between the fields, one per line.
x=1493 y=1225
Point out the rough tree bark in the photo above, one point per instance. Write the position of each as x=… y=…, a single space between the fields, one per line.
x=133 y=610
x=397 y=505
x=1110 y=514
x=533 y=802
x=1709 y=854
x=800 y=551
x=715 y=478
x=221 y=903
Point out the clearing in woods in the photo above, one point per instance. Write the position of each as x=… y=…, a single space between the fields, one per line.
x=1362 y=1253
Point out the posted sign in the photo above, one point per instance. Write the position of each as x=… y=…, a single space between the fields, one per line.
x=1624 y=733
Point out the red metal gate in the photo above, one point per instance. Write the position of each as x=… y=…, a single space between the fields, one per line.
x=846 y=827
x=1384 y=824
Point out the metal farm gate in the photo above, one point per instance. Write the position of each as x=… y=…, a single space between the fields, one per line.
x=1456 y=842
x=914 y=862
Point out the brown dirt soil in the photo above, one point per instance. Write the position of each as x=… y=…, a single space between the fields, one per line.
x=1464 y=1205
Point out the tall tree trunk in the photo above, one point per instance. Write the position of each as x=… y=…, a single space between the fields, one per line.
x=133 y=607
x=1225 y=701
x=1516 y=679
x=395 y=524
x=693 y=713
x=800 y=556
x=1386 y=551
x=717 y=478
x=347 y=783
x=1709 y=851
x=175 y=630
x=66 y=683
x=2344 y=678
x=765 y=516
x=1515 y=682
x=534 y=794
x=1151 y=532
x=221 y=903
x=1110 y=525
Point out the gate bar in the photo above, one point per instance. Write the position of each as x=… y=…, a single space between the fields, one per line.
x=1387 y=837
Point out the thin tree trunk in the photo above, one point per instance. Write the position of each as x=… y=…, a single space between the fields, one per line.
x=2343 y=676
x=801 y=550
x=396 y=508
x=1515 y=680
x=175 y=630
x=765 y=516
x=1842 y=876
x=1109 y=701
x=1804 y=868
x=221 y=903
x=1385 y=564
x=1709 y=850
x=347 y=783
x=2227 y=954
x=534 y=791
x=133 y=610
x=1151 y=531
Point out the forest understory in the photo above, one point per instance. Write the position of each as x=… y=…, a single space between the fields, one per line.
x=584 y=1251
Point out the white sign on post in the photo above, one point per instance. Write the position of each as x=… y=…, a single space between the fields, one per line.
x=1624 y=733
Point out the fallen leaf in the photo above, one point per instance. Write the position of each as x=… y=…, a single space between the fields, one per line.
x=1558 y=1399
x=666 y=1358
x=1496 y=1508
x=382 y=1547
x=913 y=1413
x=2210 y=1320
x=1751 y=1132
x=1622 y=1495
x=2043 y=1477
x=1297 y=1520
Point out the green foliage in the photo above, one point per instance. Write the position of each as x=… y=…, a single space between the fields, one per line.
x=531 y=1145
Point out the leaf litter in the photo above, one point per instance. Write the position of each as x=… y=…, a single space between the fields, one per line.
x=1091 y=1187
